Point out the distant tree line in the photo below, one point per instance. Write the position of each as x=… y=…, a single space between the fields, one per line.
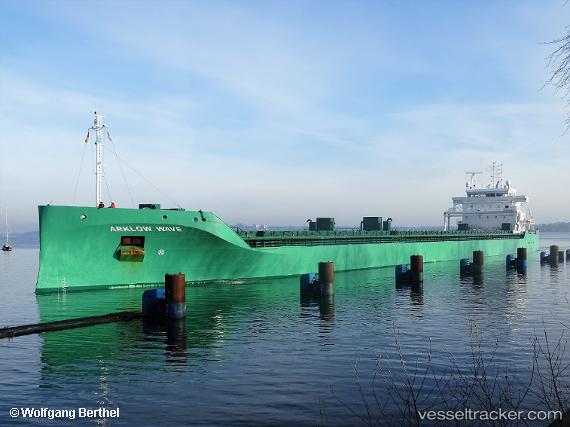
x=555 y=226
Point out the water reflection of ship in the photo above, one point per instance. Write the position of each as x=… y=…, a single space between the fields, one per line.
x=497 y=296
x=216 y=311
x=175 y=341
x=321 y=306
x=476 y=281
x=211 y=311
x=124 y=341
x=324 y=303
x=416 y=291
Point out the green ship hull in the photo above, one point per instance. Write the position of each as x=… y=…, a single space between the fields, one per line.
x=86 y=248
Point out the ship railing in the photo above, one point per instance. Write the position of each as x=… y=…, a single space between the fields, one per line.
x=358 y=232
x=391 y=237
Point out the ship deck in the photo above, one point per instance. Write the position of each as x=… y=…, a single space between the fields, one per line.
x=264 y=239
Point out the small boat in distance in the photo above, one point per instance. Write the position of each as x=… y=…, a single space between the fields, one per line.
x=7 y=247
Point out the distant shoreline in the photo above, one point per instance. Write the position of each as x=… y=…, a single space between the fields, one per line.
x=556 y=226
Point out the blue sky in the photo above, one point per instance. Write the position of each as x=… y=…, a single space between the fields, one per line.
x=273 y=112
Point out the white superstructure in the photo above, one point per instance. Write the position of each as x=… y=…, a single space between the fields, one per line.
x=491 y=207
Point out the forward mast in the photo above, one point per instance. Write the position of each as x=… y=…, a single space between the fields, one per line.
x=97 y=128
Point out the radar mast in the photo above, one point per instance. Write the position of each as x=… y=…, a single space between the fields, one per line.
x=496 y=170
x=472 y=179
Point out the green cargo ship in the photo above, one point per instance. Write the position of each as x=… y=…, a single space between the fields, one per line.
x=94 y=247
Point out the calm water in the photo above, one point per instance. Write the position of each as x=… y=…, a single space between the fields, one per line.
x=256 y=353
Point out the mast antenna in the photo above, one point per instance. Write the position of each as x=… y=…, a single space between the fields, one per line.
x=7 y=231
x=472 y=180
x=98 y=126
x=496 y=169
